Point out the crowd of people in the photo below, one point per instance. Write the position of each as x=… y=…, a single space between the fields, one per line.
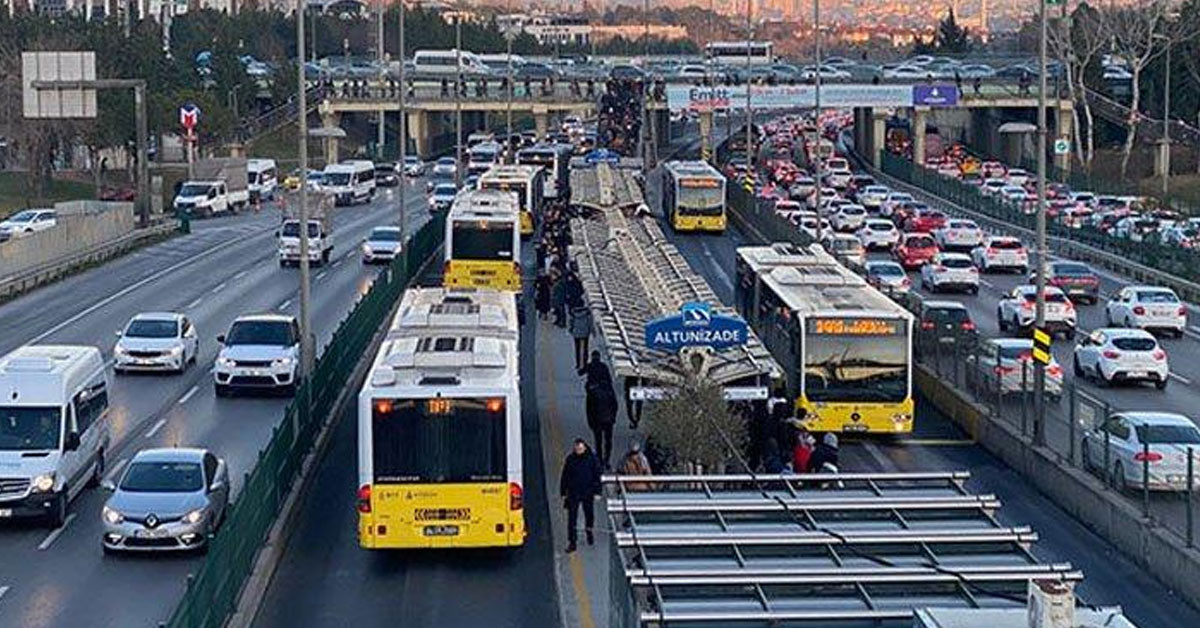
x=619 y=116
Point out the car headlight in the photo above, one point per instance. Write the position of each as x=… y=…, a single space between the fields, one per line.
x=285 y=362
x=111 y=516
x=175 y=351
x=194 y=516
x=225 y=362
x=43 y=483
x=432 y=201
x=120 y=350
x=366 y=249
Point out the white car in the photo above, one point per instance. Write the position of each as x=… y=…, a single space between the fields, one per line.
x=849 y=217
x=838 y=178
x=950 y=271
x=894 y=200
x=959 y=233
x=887 y=277
x=847 y=249
x=1018 y=177
x=1083 y=199
x=383 y=245
x=1017 y=311
x=992 y=187
x=442 y=197
x=908 y=72
x=802 y=188
x=1014 y=194
x=1114 y=355
x=878 y=233
x=1006 y=365
x=27 y=222
x=260 y=352
x=1147 y=307
x=872 y=196
x=413 y=166
x=156 y=341
x=1128 y=435
x=1001 y=253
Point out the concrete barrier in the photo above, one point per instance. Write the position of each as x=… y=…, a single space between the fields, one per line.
x=1157 y=550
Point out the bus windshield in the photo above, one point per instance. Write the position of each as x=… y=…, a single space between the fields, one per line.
x=700 y=201
x=439 y=440
x=482 y=241
x=856 y=367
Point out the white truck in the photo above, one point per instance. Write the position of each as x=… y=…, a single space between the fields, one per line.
x=320 y=238
x=220 y=185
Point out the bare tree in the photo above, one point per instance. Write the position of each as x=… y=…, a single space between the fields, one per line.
x=1077 y=42
x=1190 y=16
x=696 y=425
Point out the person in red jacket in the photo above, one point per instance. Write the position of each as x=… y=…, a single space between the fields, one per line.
x=802 y=451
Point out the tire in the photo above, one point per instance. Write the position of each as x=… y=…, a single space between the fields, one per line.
x=57 y=516
x=222 y=390
x=1162 y=383
x=1000 y=321
x=1077 y=368
x=98 y=471
x=974 y=290
x=1108 y=321
x=1119 y=479
x=108 y=551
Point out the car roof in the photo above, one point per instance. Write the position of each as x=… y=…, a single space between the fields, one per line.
x=267 y=317
x=943 y=305
x=1125 y=332
x=171 y=454
x=386 y=228
x=960 y=256
x=1149 y=288
x=156 y=316
x=1146 y=417
x=1012 y=342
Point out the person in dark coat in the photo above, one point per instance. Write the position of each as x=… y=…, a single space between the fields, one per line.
x=772 y=458
x=541 y=296
x=558 y=299
x=601 y=405
x=578 y=485
x=581 y=331
x=826 y=452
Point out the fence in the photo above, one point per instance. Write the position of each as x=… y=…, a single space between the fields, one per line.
x=1074 y=426
x=212 y=593
x=761 y=218
x=1173 y=260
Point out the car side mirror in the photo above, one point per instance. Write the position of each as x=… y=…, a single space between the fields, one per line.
x=118 y=333
x=72 y=442
x=221 y=338
x=108 y=485
x=277 y=232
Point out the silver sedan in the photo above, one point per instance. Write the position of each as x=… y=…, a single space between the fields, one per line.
x=166 y=500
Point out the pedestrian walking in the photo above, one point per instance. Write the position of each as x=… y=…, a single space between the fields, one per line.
x=578 y=485
x=636 y=463
x=581 y=331
x=601 y=405
x=541 y=296
x=558 y=299
x=772 y=458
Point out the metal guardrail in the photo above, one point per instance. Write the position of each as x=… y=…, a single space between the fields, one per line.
x=1149 y=128
x=212 y=593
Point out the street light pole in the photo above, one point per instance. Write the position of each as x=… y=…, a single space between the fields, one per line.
x=508 y=38
x=403 y=130
x=818 y=166
x=1166 y=126
x=749 y=104
x=1039 y=369
x=380 y=140
x=306 y=348
x=458 y=87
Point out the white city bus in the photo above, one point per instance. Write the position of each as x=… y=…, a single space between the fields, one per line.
x=527 y=182
x=735 y=52
x=556 y=160
x=483 y=241
x=439 y=426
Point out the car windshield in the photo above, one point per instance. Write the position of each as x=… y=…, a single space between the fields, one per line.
x=947 y=314
x=956 y=262
x=29 y=428
x=385 y=235
x=1157 y=297
x=337 y=178
x=152 y=328
x=1016 y=352
x=163 y=477
x=1172 y=434
x=1051 y=297
x=277 y=333
x=1072 y=269
x=194 y=189
x=411 y=160
x=291 y=229
x=920 y=243
x=1134 y=344
x=888 y=270
x=882 y=226
x=23 y=217
x=1005 y=245
x=961 y=224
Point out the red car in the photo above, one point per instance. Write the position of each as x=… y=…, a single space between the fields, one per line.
x=914 y=250
x=926 y=221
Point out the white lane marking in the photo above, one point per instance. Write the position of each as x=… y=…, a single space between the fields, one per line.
x=3 y=590
x=320 y=275
x=193 y=303
x=240 y=275
x=220 y=287
x=1181 y=379
x=54 y=534
x=188 y=395
x=116 y=469
x=987 y=283
x=283 y=306
x=130 y=288
x=157 y=426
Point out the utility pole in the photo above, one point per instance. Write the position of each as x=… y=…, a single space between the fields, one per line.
x=306 y=346
x=508 y=38
x=749 y=111
x=403 y=132
x=818 y=166
x=1039 y=369
x=458 y=88
x=1166 y=129
x=380 y=140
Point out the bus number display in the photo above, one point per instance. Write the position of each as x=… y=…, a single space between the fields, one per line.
x=438 y=407
x=699 y=183
x=854 y=327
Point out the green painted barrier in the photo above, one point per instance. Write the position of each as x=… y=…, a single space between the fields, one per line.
x=212 y=593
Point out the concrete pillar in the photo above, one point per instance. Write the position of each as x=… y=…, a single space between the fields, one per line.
x=919 y=115
x=237 y=149
x=878 y=136
x=1162 y=157
x=541 y=122
x=706 y=136
x=330 y=119
x=418 y=132
x=1066 y=129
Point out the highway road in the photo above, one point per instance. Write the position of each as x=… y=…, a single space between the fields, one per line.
x=225 y=268
x=938 y=445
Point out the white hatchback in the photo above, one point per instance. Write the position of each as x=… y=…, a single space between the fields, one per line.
x=959 y=233
x=1016 y=311
x=1156 y=441
x=849 y=217
x=878 y=233
x=1147 y=307
x=950 y=271
x=1001 y=253
x=1114 y=355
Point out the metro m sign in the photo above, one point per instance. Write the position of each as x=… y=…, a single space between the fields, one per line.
x=189 y=116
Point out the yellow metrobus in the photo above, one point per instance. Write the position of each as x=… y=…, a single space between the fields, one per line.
x=483 y=241
x=439 y=426
x=845 y=347
x=693 y=195
x=527 y=181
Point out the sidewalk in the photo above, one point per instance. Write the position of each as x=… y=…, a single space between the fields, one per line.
x=583 y=575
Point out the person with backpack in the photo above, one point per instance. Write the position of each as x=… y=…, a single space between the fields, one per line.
x=601 y=405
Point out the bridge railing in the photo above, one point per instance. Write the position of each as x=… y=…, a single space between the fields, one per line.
x=429 y=91
x=212 y=593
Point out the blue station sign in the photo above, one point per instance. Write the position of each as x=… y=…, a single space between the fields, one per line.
x=602 y=156
x=696 y=325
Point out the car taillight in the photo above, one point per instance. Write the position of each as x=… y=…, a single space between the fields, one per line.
x=968 y=326
x=939 y=269
x=1004 y=370
x=1147 y=456
x=1054 y=370
x=363 y=502
x=1139 y=310
x=905 y=282
x=1112 y=355
x=991 y=253
x=1026 y=305
x=927 y=325
x=1182 y=311
x=516 y=496
x=1159 y=355
x=1068 y=306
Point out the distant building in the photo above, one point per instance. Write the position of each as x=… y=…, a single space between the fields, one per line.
x=634 y=31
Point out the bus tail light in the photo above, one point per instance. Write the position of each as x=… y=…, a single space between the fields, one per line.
x=363 y=503
x=516 y=496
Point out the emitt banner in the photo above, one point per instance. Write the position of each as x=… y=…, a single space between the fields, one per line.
x=834 y=96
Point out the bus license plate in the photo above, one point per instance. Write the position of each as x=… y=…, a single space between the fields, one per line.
x=441 y=530
x=854 y=427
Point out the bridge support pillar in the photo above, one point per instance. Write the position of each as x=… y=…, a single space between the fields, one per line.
x=330 y=120
x=878 y=136
x=541 y=122
x=919 y=115
x=1065 y=127
x=418 y=132
x=706 y=135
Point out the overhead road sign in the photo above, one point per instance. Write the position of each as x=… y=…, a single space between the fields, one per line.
x=696 y=325
x=835 y=96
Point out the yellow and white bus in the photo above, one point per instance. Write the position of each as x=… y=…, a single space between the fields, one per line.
x=527 y=181
x=439 y=426
x=693 y=195
x=845 y=347
x=483 y=241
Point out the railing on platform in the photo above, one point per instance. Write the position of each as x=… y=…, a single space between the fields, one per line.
x=213 y=591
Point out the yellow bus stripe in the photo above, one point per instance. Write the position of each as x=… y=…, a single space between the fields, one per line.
x=556 y=445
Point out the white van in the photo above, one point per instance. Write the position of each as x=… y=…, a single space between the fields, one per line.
x=263 y=179
x=444 y=62
x=498 y=63
x=350 y=182
x=54 y=428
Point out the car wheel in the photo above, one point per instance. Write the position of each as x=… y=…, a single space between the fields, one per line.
x=1077 y=368
x=1108 y=320
x=222 y=390
x=97 y=471
x=1162 y=383
x=1101 y=380
x=1000 y=321
x=1119 y=478
x=974 y=290
x=108 y=551
x=57 y=516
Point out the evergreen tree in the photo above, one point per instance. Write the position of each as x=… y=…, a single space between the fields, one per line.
x=952 y=38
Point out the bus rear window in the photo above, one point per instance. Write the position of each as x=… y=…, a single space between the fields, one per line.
x=440 y=440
